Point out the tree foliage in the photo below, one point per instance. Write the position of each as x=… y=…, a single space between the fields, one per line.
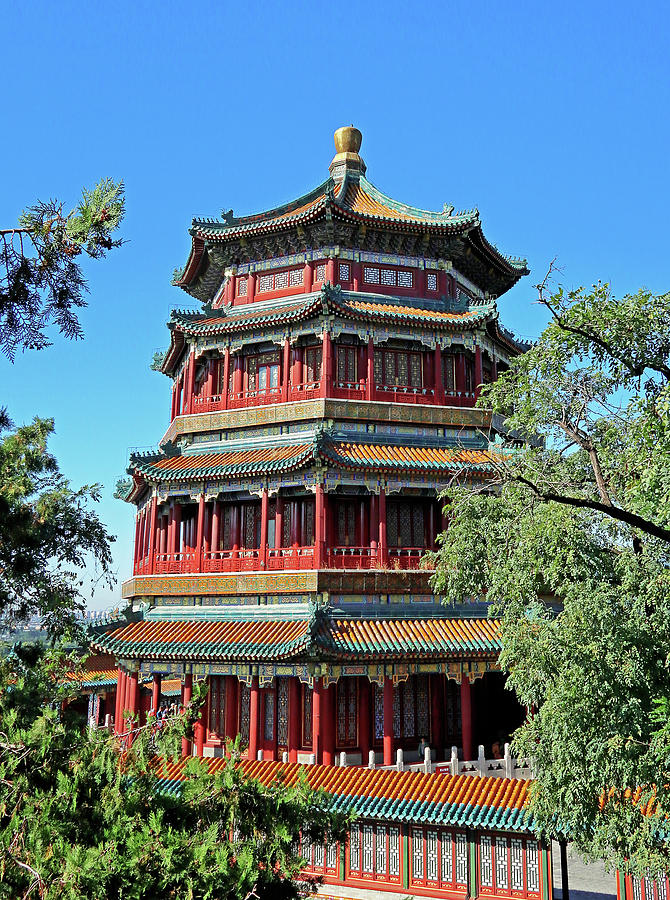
x=48 y=532
x=570 y=543
x=41 y=281
x=76 y=824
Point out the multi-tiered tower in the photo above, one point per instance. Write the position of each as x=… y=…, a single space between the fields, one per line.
x=321 y=399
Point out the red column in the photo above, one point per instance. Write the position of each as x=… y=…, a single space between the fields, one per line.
x=436 y=737
x=177 y=527
x=442 y=282
x=120 y=685
x=460 y=373
x=363 y=537
x=383 y=553
x=263 y=552
x=189 y=383
x=251 y=287
x=209 y=384
x=279 y=521
x=133 y=700
x=199 y=731
x=216 y=526
x=370 y=383
x=238 y=375
x=388 y=721
x=152 y=535
x=330 y=270
x=328 y=725
x=186 y=694
x=466 y=719
x=479 y=374
x=286 y=362
x=294 y=719
x=295 y=522
x=319 y=522
x=326 y=365
x=307 y=278
x=356 y=275
x=226 y=378
x=254 y=697
x=173 y=403
x=156 y=692
x=317 y=738
x=439 y=383
x=136 y=554
x=364 y=702
x=235 y=527
x=231 y=707
x=374 y=523
x=171 y=528
x=200 y=532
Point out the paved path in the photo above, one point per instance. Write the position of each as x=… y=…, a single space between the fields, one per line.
x=587 y=882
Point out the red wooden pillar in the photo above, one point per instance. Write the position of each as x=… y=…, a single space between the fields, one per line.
x=189 y=383
x=307 y=277
x=156 y=692
x=294 y=719
x=479 y=373
x=439 y=382
x=442 y=282
x=231 y=708
x=263 y=552
x=200 y=533
x=330 y=270
x=370 y=382
x=466 y=719
x=460 y=373
x=238 y=373
x=152 y=535
x=317 y=737
x=286 y=362
x=295 y=524
x=436 y=737
x=235 y=528
x=133 y=701
x=251 y=287
x=388 y=721
x=209 y=384
x=279 y=520
x=120 y=686
x=364 y=703
x=374 y=524
x=328 y=725
x=296 y=367
x=326 y=365
x=186 y=694
x=173 y=404
x=177 y=527
x=383 y=552
x=254 y=698
x=319 y=529
x=216 y=527
x=356 y=275
x=199 y=732
x=226 y=378
x=136 y=553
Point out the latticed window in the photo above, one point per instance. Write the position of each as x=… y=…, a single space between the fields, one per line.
x=312 y=366
x=447 y=858
x=405 y=524
x=486 y=861
x=379 y=712
x=461 y=858
x=502 y=863
x=354 y=849
x=217 y=705
x=320 y=272
x=398 y=368
x=403 y=278
x=346 y=712
x=308 y=536
x=269 y=716
x=251 y=526
x=469 y=375
x=279 y=281
x=417 y=854
x=449 y=372
x=347 y=369
x=306 y=715
x=345 y=272
x=286 y=524
x=282 y=712
x=263 y=371
x=431 y=281
x=346 y=511
x=242 y=287
x=410 y=709
x=245 y=699
x=371 y=274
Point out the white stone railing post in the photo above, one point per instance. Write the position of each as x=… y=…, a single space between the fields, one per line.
x=312 y=759
x=343 y=758
x=481 y=760
x=371 y=759
x=454 y=761
x=399 y=760
x=427 y=762
x=509 y=762
x=284 y=756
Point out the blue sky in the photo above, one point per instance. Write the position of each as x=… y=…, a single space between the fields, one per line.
x=552 y=119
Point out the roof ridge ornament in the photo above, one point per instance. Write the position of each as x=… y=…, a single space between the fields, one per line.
x=347 y=161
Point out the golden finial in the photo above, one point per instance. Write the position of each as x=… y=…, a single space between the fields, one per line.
x=348 y=139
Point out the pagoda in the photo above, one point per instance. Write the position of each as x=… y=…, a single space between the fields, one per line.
x=323 y=395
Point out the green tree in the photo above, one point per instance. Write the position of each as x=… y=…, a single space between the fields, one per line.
x=570 y=543
x=75 y=824
x=41 y=283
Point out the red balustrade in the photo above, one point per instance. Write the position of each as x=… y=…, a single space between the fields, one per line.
x=254 y=398
x=405 y=557
x=290 y=558
x=207 y=404
x=174 y=563
x=308 y=391
x=404 y=394
x=351 y=558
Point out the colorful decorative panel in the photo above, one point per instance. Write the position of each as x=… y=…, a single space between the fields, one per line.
x=408 y=722
x=397 y=727
x=379 y=712
x=245 y=698
x=269 y=716
x=422 y=710
x=306 y=716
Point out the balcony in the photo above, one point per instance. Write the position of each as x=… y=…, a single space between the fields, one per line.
x=351 y=558
x=308 y=390
x=266 y=397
